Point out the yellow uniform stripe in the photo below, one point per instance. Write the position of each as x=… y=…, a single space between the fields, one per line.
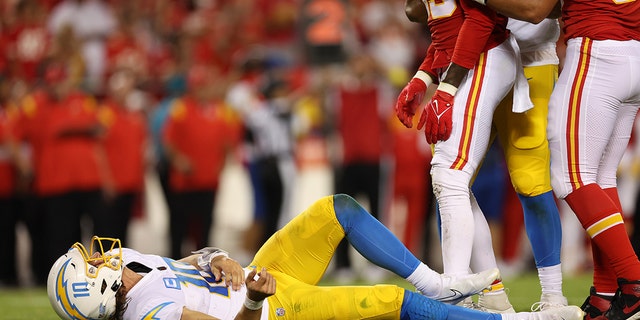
x=472 y=105
x=574 y=112
x=604 y=224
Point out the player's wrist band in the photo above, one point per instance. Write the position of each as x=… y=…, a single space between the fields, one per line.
x=448 y=88
x=424 y=77
x=252 y=305
x=207 y=254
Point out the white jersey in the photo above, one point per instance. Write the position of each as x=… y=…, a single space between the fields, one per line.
x=537 y=42
x=169 y=286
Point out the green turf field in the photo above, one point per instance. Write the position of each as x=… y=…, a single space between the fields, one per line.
x=30 y=304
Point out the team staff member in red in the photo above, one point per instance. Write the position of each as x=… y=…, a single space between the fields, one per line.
x=359 y=97
x=411 y=183
x=124 y=143
x=62 y=127
x=474 y=59
x=197 y=136
x=9 y=204
x=591 y=114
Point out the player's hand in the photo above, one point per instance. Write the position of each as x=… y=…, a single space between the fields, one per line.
x=260 y=285
x=232 y=270
x=409 y=100
x=437 y=115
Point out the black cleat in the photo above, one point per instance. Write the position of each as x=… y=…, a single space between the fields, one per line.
x=626 y=303
x=596 y=305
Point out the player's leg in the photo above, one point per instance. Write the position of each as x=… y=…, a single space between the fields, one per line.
x=303 y=301
x=376 y=243
x=604 y=275
x=304 y=247
x=583 y=112
x=456 y=159
x=493 y=299
x=524 y=139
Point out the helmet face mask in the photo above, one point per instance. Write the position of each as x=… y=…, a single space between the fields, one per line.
x=83 y=284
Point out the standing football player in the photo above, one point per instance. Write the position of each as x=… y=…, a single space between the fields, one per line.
x=591 y=114
x=474 y=59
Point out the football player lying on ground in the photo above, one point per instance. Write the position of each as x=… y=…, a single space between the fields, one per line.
x=281 y=282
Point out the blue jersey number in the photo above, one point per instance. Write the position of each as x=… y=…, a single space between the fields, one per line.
x=187 y=274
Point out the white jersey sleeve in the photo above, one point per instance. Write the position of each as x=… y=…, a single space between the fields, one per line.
x=170 y=286
x=537 y=42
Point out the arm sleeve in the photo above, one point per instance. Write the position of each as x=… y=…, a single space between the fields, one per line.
x=479 y=22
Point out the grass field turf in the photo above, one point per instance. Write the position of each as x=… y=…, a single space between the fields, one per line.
x=30 y=304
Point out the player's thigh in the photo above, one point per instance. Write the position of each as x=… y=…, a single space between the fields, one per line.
x=475 y=102
x=617 y=146
x=583 y=112
x=524 y=135
x=304 y=247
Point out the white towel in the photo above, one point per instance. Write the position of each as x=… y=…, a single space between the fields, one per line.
x=521 y=99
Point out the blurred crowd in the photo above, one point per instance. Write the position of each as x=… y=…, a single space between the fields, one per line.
x=94 y=94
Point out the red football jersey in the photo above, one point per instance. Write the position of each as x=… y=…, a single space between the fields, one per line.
x=203 y=133
x=601 y=19
x=124 y=144
x=461 y=30
x=7 y=169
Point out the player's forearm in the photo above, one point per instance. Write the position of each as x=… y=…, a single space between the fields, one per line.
x=532 y=11
x=192 y=260
x=455 y=75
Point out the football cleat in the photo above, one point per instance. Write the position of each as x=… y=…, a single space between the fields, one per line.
x=596 y=305
x=469 y=304
x=549 y=301
x=626 y=302
x=559 y=313
x=456 y=288
x=495 y=302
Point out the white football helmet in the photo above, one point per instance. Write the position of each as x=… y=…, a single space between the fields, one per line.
x=82 y=285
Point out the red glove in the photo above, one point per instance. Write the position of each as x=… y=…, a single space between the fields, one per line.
x=411 y=97
x=436 y=116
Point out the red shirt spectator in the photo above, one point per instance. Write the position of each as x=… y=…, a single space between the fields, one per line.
x=361 y=142
x=61 y=133
x=124 y=146
x=7 y=168
x=200 y=133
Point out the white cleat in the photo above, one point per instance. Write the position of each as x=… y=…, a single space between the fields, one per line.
x=549 y=301
x=457 y=287
x=496 y=302
x=558 y=313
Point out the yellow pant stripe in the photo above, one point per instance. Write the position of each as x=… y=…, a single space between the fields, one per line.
x=604 y=224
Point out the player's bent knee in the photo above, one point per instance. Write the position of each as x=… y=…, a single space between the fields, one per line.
x=529 y=184
x=449 y=181
x=346 y=208
x=530 y=142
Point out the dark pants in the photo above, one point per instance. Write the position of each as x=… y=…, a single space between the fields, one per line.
x=62 y=217
x=114 y=222
x=190 y=213
x=9 y=214
x=270 y=181
x=357 y=179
